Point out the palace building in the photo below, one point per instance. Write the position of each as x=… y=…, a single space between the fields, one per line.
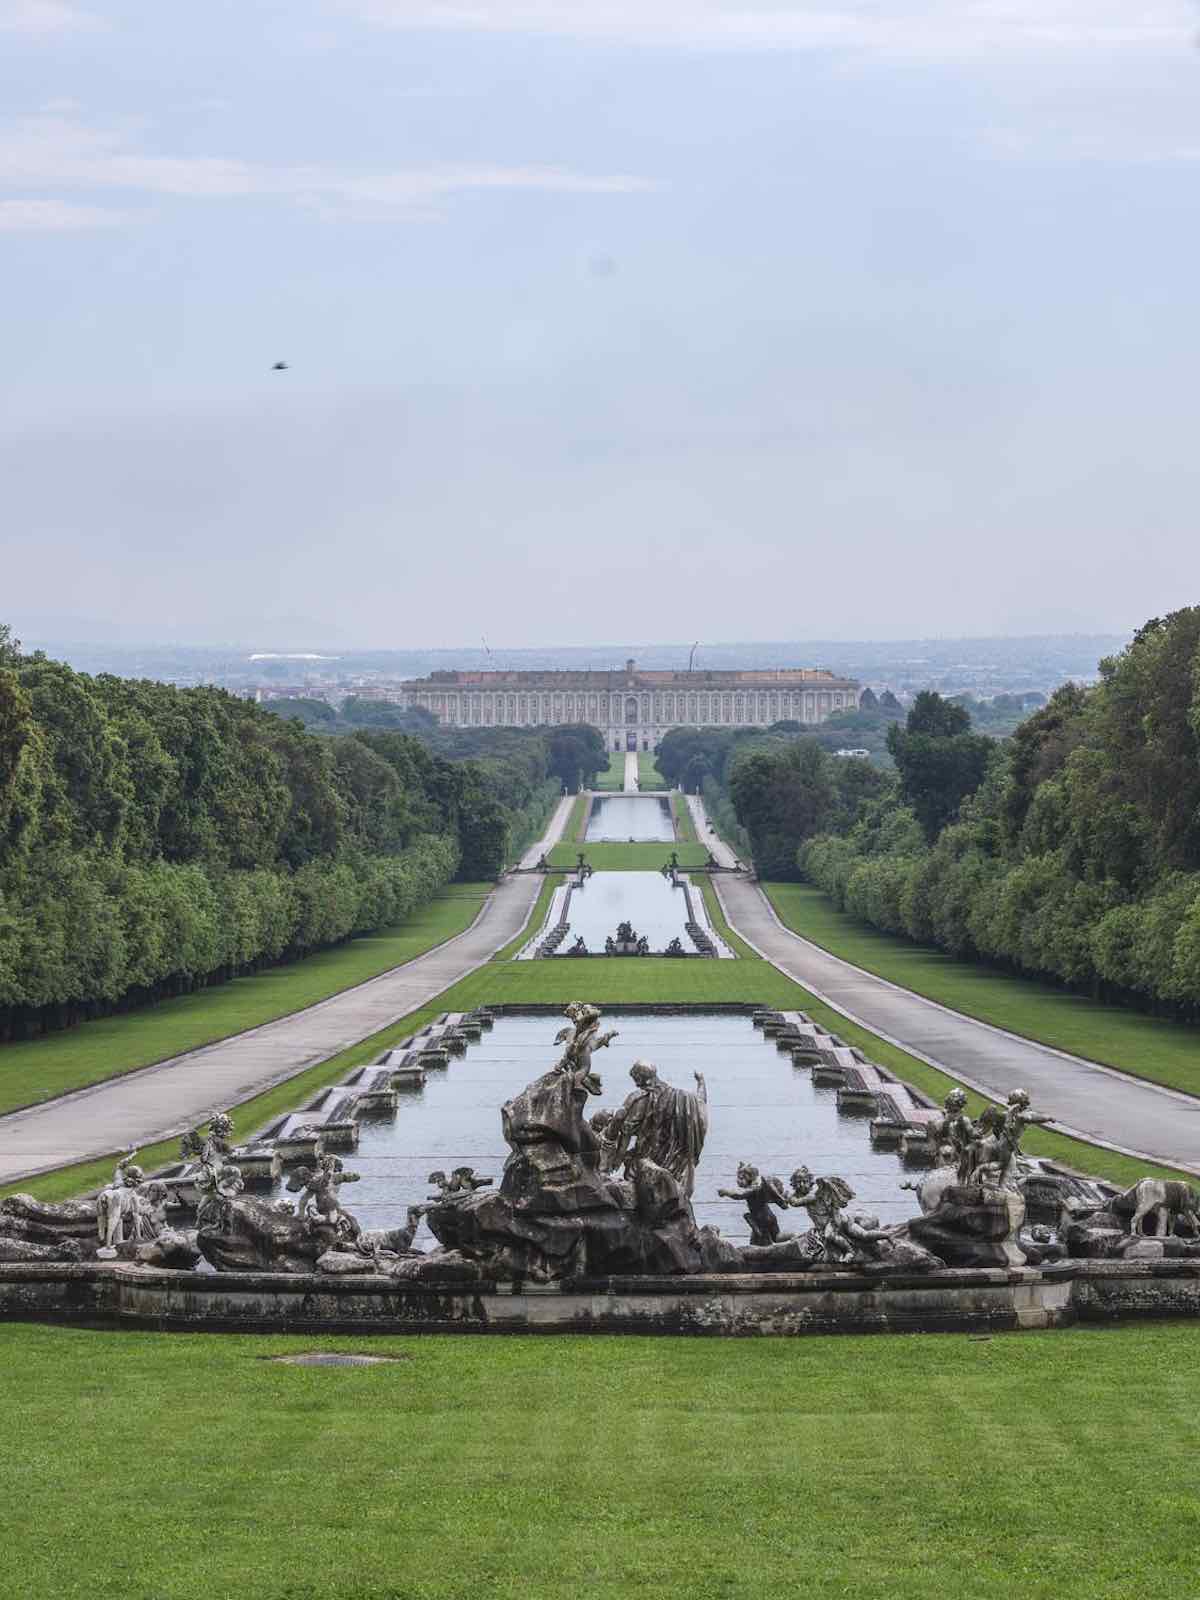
x=632 y=709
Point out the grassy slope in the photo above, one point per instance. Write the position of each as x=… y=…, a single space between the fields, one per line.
x=1167 y=1052
x=51 y=1066
x=649 y=777
x=629 y=857
x=614 y=777
x=685 y=827
x=1038 y=1466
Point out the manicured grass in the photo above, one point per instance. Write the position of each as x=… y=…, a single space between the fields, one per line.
x=629 y=857
x=685 y=827
x=614 y=776
x=111 y=1046
x=1149 y=1047
x=1033 y=1466
x=577 y=822
x=649 y=777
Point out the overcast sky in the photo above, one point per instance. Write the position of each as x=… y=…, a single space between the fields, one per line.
x=604 y=318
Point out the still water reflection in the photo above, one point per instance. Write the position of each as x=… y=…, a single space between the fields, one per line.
x=762 y=1109
x=617 y=818
x=646 y=899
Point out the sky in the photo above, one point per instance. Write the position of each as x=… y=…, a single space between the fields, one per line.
x=644 y=319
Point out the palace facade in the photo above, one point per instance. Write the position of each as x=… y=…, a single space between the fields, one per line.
x=632 y=709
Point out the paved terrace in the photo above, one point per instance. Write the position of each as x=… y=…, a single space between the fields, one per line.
x=1090 y=1101
x=157 y=1102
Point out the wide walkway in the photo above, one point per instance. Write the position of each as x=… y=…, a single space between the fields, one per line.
x=631 y=772
x=160 y=1101
x=1087 y=1100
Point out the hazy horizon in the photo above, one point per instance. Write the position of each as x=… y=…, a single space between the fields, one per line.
x=827 y=317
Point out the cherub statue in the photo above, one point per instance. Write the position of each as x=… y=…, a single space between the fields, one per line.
x=581 y=1040
x=206 y=1148
x=1017 y=1117
x=822 y=1198
x=319 y=1201
x=217 y=1186
x=579 y=948
x=954 y=1128
x=760 y=1193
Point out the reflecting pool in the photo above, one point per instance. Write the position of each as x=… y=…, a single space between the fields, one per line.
x=644 y=898
x=762 y=1109
x=617 y=818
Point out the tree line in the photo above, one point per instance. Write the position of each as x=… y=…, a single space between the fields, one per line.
x=1070 y=850
x=155 y=839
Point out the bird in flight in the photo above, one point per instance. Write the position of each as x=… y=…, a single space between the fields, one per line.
x=280 y=366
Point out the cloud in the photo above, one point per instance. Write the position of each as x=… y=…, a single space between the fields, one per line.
x=53 y=216
x=41 y=16
x=916 y=27
x=53 y=151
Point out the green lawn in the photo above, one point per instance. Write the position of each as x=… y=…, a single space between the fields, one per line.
x=1033 y=1466
x=1149 y=1047
x=614 y=776
x=629 y=857
x=685 y=827
x=649 y=777
x=53 y=1065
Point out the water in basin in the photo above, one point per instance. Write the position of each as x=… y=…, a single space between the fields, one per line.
x=617 y=818
x=644 y=898
x=762 y=1109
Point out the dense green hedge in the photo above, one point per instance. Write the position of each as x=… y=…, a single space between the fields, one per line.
x=155 y=839
x=1078 y=857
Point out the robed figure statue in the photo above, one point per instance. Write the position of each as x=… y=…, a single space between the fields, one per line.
x=661 y=1124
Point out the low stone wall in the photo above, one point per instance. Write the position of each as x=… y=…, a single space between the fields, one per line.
x=985 y=1300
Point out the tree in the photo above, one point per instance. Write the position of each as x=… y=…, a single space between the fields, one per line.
x=939 y=761
x=576 y=753
x=783 y=795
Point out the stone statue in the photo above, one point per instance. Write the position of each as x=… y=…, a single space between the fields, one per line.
x=216 y=1187
x=215 y=1182
x=822 y=1198
x=1155 y=1218
x=579 y=948
x=759 y=1195
x=600 y=1123
x=1017 y=1117
x=460 y=1185
x=559 y=1211
x=662 y=1124
x=675 y=948
x=582 y=1038
x=118 y=1218
x=954 y=1128
x=318 y=1188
